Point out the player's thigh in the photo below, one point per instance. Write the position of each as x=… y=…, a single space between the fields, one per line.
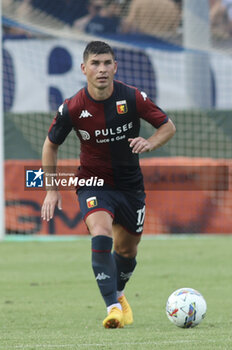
x=125 y=243
x=130 y=211
x=99 y=223
x=96 y=210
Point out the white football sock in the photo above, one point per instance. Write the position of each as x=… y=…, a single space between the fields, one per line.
x=118 y=305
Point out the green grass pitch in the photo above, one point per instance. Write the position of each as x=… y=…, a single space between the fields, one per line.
x=49 y=299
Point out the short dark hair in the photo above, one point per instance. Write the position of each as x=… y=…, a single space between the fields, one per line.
x=97 y=48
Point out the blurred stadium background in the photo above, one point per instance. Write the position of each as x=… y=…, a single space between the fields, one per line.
x=178 y=52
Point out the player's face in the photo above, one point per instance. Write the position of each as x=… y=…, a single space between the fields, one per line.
x=99 y=71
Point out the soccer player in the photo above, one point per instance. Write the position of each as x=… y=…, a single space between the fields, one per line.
x=106 y=118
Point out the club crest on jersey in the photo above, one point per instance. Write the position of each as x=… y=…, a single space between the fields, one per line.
x=122 y=107
x=91 y=202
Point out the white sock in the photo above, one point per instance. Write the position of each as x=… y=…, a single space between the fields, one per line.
x=118 y=305
x=120 y=293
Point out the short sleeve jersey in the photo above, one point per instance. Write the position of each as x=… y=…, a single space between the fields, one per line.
x=104 y=128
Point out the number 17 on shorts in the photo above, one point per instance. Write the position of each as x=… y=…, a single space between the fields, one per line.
x=140 y=219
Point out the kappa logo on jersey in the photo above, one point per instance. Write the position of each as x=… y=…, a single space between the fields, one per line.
x=61 y=108
x=122 y=107
x=91 y=202
x=85 y=114
x=84 y=134
x=144 y=95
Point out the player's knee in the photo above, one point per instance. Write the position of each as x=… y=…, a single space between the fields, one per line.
x=126 y=252
x=97 y=230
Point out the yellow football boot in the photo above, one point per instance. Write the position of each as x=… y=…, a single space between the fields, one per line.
x=115 y=319
x=126 y=309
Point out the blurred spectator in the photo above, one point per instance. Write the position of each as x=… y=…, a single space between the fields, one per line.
x=125 y=4
x=153 y=17
x=16 y=32
x=14 y=29
x=66 y=11
x=107 y=21
x=221 y=17
x=22 y=8
x=94 y=8
x=178 y=2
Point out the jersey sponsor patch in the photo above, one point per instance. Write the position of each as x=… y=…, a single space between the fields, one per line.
x=91 y=202
x=84 y=134
x=122 y=107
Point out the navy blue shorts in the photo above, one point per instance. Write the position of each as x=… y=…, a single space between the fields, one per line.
x=126 y=207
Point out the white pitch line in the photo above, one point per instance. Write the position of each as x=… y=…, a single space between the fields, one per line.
x=60 y=346
x=68 y=238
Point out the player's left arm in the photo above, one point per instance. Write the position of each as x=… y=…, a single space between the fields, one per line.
x=154 y=115
x=164 y=133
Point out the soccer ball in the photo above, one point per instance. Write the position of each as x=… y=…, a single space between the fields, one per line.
x=186 y=307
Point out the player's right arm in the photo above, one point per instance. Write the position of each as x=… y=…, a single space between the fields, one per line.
x=53 y=197
x=58 y=131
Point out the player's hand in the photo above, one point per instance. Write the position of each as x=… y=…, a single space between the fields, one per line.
x=52 y=199
x=140 y=145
